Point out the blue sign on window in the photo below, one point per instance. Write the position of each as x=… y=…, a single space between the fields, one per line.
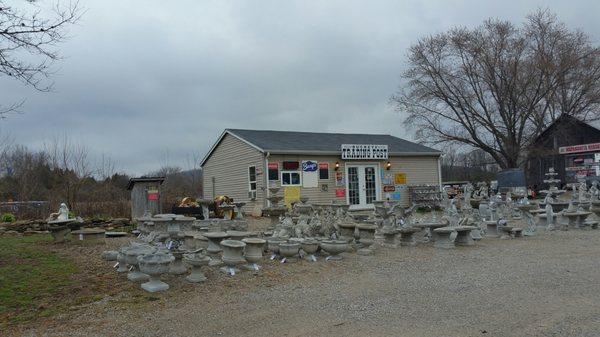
x=309 y=166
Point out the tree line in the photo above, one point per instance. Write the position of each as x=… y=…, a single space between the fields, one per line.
x=64 y=171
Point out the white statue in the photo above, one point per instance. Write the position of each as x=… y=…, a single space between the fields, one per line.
x=549 y=217
x=63 y=212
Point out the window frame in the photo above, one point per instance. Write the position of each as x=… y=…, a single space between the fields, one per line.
x=269 y=172
x=325 y=170
x=255 y=181
x=299 y=173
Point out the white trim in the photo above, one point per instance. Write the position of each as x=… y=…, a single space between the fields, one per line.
x=226 y=132
x=250 y=181
x=377 y=183
x=290 y=171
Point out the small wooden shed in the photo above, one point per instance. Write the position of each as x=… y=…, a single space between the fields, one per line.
x=145 y=195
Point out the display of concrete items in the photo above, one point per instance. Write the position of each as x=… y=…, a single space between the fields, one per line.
x=155 y=265
x=310 y=247
x=131 y=258
x=334 y=248
x=366 y=233
x=253 y=252
x=274 y=210
x=196 y=262
x=233 y=255
x=288 y=251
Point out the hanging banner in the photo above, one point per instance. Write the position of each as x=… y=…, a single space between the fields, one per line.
x=340 y=192
x=364 y=151
x=310 y=174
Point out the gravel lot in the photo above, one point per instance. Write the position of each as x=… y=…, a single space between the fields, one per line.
x=545 y=285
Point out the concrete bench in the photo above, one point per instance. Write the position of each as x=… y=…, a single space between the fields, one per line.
x=407 y=236
x=491 y=229
x=443 y=240
x=463 y=235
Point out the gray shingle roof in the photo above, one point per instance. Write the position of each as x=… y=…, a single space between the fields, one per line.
x=310 y=142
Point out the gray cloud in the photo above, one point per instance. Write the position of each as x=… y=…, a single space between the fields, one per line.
x=142 y=79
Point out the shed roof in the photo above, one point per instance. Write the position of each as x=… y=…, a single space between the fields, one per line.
x=294 y=142
x=132 y=181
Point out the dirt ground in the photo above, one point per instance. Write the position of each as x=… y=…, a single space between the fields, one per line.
x=545 y=285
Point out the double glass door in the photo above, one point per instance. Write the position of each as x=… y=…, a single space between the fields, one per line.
x=362 y=185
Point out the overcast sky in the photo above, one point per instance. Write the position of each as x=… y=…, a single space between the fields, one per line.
x=150 y=83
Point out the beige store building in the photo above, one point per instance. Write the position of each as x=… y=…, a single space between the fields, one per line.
x=355 y=169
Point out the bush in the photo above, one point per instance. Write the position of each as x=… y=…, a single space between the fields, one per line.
x=8 y=217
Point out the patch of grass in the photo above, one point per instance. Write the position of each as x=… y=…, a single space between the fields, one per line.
x=30 y=278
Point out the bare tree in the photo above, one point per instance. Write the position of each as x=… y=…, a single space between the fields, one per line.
x=71 y=160
x=28 y=39
x=498 y=86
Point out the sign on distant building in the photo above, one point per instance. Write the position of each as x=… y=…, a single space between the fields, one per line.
x=579 y=148
x=364 y=151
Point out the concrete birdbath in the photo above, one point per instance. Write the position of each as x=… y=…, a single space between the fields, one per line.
x=237 y=235
x=214 y=241
x=310 y=247
x=334 y=248
x=196 y=261
x=122 y=260
x=289 y=251
x=155 y=265
x=253 y=252
x=233 y=255
x=366 y=233
x=273 y=246
x=131 y=255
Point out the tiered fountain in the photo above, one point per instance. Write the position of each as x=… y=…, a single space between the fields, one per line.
x=553 y=192
x=274 y=210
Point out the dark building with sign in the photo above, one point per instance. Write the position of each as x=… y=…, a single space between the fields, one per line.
x=354 y=169
x=570 y=146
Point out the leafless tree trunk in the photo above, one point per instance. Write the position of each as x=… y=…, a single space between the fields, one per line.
x=498 y=86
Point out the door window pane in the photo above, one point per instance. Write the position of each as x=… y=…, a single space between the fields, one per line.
x=353 y=188
x=370 y=185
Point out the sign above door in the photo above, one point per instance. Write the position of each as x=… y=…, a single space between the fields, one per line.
x=364 y=151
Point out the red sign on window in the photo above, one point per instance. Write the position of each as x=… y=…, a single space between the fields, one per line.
x=323 y=166
x=273 y=166
x=152 y=196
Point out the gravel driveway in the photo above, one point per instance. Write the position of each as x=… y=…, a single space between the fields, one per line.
x=547 y=285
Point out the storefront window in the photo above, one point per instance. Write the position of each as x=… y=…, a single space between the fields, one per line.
x=290 y=178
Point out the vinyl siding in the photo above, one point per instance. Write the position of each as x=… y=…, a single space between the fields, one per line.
x=228 y=165
x=419 y=170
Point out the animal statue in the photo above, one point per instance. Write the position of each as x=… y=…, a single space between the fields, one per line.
x=222 y=200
